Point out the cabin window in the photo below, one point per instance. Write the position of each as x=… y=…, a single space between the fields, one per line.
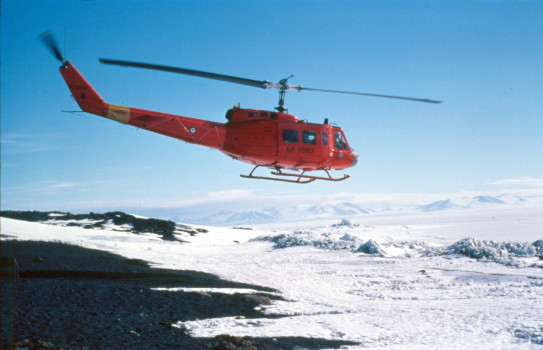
x=324 y=138
x=309 y=137
x=340 y=141
x=264 y=114
x=253 y=114
x=290 y=136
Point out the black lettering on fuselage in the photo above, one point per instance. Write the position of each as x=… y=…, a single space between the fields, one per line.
x=306 y=150
x=302 y=150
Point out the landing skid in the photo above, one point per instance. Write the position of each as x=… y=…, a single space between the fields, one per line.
x=329 y=178
x=301 y=178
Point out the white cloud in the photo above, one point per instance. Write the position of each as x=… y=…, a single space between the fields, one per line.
x=64 y=185
x=226 y=195
x=17 y=143
x=518 y=182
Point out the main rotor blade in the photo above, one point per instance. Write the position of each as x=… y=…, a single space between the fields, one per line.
x=300 y=88
x=263 y=84
x=228 y=78
x=49 y=40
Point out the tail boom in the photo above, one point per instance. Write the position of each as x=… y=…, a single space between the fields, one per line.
x=191 y=130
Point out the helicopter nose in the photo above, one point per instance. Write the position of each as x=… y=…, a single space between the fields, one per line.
x=355 y=157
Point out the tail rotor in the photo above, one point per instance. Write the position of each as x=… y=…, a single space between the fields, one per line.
x=49 y=41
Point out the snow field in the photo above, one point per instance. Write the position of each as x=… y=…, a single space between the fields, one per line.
x=391 y=282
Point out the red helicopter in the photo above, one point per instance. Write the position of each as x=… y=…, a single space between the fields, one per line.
x=270 y=139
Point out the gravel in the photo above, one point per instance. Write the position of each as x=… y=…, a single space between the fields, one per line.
x=69 y=297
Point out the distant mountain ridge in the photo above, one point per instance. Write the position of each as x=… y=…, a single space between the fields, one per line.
x=343 y=209
x=470 y=202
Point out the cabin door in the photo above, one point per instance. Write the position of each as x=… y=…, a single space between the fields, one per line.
x=299 y=147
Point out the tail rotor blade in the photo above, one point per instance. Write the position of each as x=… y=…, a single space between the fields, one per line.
x=49 y=40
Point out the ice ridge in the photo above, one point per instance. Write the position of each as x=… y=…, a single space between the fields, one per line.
x=508 y=253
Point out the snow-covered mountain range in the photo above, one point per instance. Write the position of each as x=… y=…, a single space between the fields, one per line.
x=346 y=209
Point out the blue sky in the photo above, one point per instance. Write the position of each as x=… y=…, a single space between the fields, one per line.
x=482 y=58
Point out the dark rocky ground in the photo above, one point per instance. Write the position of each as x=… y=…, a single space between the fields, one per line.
x=165 y=228
x=68 y=297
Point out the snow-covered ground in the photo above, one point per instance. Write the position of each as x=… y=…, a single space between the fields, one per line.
x=424 y=279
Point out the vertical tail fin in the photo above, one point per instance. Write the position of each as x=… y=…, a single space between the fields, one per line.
x=84 y=94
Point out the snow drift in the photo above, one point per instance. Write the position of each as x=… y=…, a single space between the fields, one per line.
x=508 y=253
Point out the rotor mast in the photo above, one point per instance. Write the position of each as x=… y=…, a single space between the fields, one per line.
x=283 y=87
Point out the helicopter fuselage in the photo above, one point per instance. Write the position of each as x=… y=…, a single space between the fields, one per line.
x=280 y=140
x=275 y=140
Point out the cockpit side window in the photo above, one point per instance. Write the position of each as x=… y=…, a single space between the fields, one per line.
x=324 y=138
x=339 y=140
